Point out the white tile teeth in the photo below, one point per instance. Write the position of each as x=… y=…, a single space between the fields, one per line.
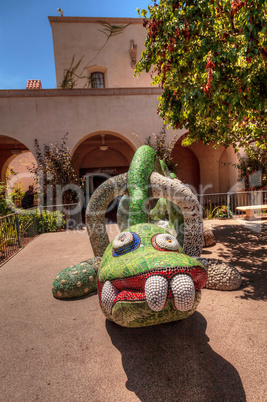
x=156 y=291
x=183 y=291
x=108 y=295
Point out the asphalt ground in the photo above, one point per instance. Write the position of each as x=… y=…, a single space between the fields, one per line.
x=54 y=350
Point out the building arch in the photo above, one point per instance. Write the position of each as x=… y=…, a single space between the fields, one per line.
x=12 y=149
x=100 y=156
x=94 y=159
x=188 y=168
x=107 y=133
x=211 y=167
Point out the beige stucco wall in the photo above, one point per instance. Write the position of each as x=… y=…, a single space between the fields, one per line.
x=48 y=114
x=82 y=37
x=206 y=169
x=83 y=113
x=211 y=177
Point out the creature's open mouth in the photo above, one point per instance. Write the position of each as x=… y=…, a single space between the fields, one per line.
x=155 y=286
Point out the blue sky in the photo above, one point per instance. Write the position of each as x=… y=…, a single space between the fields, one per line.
x=26 y=45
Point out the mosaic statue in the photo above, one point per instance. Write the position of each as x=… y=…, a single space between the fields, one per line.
x=151 y=273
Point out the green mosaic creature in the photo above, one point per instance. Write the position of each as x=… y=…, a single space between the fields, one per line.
x=144 y=276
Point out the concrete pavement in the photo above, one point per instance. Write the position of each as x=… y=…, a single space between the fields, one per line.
x=54 y=350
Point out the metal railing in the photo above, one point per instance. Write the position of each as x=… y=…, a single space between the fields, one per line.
x=16 y=230
x=19 y=228
x=232 y=200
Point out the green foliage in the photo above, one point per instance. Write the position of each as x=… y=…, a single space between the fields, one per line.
x=210 y=59
x=4 y=207
x=209 y=212
x=253 y=165
x=109 y=30
x=8 y=236
x=10 y=173
x=15 y=196
x=31 y=223
x=52 y=221
x=163 y=150
x=18 y=192
x=222 y=212
x=70 y=76
x=55 y=169
x=27 y=224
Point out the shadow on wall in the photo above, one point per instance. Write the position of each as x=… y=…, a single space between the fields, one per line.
x=174 y=362
x=245 y=249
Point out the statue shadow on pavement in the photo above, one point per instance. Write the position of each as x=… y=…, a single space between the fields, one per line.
x=174 y=362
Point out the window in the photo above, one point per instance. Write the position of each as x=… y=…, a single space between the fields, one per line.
x=97 y=80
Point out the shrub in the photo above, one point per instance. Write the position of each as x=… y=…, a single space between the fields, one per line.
x=55 y=168
x=32 y=221
x=222 y=212
x=4 y=207
x=52 y=221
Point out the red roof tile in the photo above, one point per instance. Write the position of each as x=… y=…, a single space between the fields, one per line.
x=34 y=84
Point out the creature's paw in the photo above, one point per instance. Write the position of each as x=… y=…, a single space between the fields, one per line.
x=221 y=275
x=208 y=235
x=76 y=281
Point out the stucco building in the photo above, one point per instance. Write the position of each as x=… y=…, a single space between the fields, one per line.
x=105 y=111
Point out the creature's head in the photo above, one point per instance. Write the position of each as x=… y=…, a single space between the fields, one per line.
x=146 y=279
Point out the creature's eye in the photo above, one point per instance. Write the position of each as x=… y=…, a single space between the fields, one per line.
x=165 y=242
x=125 y=242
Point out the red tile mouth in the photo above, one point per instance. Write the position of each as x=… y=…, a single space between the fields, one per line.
x=132 y=288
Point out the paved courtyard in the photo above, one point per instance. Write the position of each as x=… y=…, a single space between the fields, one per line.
x=54 y=350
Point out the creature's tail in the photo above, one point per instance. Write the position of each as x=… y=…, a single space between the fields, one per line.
x=142 y=165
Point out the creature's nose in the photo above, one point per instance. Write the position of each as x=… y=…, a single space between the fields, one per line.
x=182 y=288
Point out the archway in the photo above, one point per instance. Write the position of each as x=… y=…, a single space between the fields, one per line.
x=187 y=165
x=99 y=157
x=108 y=136
x=16 y=155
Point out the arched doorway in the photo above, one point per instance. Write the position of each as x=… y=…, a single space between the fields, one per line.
x=100 y=157
x=187 y=165
x=15 y=156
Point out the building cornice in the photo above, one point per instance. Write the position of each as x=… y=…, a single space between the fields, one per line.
x=37 y=93
x=95 y=20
